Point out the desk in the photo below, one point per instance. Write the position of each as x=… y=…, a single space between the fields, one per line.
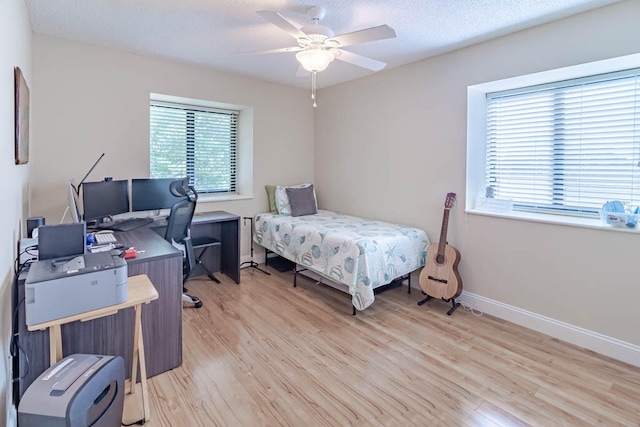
x=222 y=226
x=226 y=228
x=140 y=291
x=162 y=318
x=112 y=335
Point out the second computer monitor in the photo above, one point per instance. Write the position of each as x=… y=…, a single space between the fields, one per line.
x=152 y=194
x=104 y=199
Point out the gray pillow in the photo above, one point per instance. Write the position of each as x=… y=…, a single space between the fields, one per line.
x=302 y=201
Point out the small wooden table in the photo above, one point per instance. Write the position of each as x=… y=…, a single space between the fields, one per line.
x=140 y=291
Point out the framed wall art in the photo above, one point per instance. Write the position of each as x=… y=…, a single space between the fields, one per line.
x=22 y=118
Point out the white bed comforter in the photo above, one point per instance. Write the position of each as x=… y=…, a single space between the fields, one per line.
x=360 y=253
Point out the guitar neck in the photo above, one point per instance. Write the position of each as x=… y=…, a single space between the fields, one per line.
x=443 y=232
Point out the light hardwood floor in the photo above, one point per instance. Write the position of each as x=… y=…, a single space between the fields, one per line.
x=266 y=354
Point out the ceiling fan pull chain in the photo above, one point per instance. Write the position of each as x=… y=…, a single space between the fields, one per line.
x=313 y=88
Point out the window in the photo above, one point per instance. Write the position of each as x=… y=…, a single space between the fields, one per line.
x=198 y=142
x=565 y=147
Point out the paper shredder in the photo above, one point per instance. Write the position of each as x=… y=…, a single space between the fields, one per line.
x=80 y=390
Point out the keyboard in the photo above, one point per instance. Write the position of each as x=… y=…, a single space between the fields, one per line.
x=103 y=239
x=125 y=224
x=102 y=248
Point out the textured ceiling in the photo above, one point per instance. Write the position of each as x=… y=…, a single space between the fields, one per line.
x=220 y=33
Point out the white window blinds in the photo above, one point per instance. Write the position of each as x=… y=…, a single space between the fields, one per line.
x=197 y=142
x=566 y=147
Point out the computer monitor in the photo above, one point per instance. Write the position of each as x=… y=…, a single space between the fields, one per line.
x=153 y=194
x=72 y=201
x=61 y=241
x=104 y=199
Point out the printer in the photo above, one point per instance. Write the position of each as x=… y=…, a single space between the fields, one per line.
x=80 y=390
x=60 y=288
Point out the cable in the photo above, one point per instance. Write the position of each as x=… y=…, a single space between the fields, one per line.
x=473 y=311
x=17 y=267
x=15 y=347
x=64 y=215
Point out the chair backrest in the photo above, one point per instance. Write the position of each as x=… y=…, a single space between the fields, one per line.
x=180 y=217
x=179 y=220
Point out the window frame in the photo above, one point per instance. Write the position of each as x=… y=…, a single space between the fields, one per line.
x=475 y=201
x=244 y=143
x=547 y=143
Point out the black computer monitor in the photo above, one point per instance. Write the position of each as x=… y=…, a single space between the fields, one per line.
x=104 y=199
x=153 y=194
x=61 y=241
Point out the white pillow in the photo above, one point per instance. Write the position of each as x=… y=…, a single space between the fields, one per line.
x=282 y=199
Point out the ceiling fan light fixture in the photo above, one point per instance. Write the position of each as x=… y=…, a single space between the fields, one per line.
x=315 y=60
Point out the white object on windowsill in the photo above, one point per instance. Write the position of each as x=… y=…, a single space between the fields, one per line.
x=494 y=205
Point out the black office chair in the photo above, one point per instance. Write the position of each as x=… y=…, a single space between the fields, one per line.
x=177 y=232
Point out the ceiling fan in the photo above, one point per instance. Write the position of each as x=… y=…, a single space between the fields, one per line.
x=318 y=45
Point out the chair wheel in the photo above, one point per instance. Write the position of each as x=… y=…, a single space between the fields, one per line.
x=198 y=304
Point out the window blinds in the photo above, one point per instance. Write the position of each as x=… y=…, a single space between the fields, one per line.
x=197 y=142
x=566 y=147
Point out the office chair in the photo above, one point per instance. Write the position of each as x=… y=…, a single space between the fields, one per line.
x=177 y=233
x=178 y=230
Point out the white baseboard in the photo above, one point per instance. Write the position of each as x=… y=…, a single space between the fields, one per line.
x=612 y=347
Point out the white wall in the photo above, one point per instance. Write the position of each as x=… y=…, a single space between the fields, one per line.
x=88 y=100
x=391 y=146
x=15 y=33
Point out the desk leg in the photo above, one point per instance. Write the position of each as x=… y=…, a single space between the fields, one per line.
x=55 y=344
x=138 y=356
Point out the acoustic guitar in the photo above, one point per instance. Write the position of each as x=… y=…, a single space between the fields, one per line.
x=440 y=278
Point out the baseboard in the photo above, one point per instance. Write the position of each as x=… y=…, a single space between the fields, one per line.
x=608 y=346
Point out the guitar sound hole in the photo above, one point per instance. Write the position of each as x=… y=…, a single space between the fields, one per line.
x=440 y=259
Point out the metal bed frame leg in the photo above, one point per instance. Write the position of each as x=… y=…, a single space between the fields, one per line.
x=295 y=283
x=295 y=275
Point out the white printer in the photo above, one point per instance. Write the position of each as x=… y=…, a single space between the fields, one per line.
x=56 y=289
x=81 y=390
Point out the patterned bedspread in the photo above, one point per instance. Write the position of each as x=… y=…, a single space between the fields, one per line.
x=360 y=253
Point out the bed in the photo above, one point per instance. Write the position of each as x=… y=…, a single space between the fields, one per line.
x=361 y=253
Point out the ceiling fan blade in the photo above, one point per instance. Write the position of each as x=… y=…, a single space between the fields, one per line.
x=280 y=50
x=363 y=36
x=281 y=22
x=360 y=61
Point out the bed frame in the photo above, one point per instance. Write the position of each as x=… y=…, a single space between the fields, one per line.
x=297 y=270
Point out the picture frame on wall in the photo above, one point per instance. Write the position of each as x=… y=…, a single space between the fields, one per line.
x=21 y=118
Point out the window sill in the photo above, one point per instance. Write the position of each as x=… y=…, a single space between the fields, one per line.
x=554 y=219
x=204 y=198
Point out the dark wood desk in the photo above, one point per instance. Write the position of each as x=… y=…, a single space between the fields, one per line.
x=222 y=226
x=226 y=228
x=112 y=335
x=161 y=319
